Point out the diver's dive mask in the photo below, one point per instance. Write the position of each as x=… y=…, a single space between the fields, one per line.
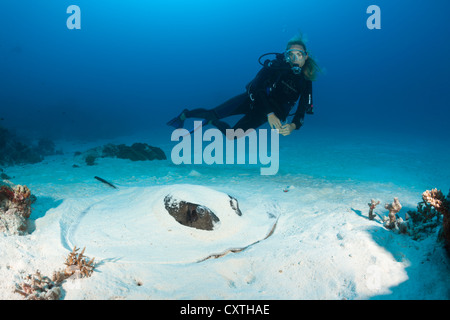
x=292 y=56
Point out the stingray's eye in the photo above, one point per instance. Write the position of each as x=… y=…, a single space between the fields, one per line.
x=201 y=210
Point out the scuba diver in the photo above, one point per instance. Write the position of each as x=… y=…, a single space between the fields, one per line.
x=269 y=97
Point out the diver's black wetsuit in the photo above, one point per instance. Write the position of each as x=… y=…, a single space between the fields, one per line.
x=275 y=89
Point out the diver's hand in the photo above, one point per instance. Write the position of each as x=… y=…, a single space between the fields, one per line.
x=287 y=129
x=273 y=121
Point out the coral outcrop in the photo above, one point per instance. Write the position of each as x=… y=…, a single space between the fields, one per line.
x=135 y=152
x=441 y=204
x=372 y=205
x=77 y=266
x=424 y=220
x=391 y=222
x=15 y=208
x=419 y=224
x=16 y=150
x=39 y=287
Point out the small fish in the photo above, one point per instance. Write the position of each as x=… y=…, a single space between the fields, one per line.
x=105 y=182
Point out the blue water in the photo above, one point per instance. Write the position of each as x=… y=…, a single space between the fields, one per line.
x=133 y=65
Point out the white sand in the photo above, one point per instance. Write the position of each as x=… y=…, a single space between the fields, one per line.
x=323 y=247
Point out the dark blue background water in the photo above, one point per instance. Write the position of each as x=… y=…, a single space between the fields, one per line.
x=135 y=64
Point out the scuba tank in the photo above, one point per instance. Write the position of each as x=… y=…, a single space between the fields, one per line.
x=281 y=62
x=277 y=63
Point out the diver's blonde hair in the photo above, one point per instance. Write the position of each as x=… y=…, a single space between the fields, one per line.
x=311 y=68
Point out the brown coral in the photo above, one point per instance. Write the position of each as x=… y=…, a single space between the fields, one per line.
x=442 y=205
x=6 y=193
x=437 y=199
x=372 y=206
x=77 y=266
x=38 y=287
x=17 y=194
x=15 y=208
x=393 y=208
